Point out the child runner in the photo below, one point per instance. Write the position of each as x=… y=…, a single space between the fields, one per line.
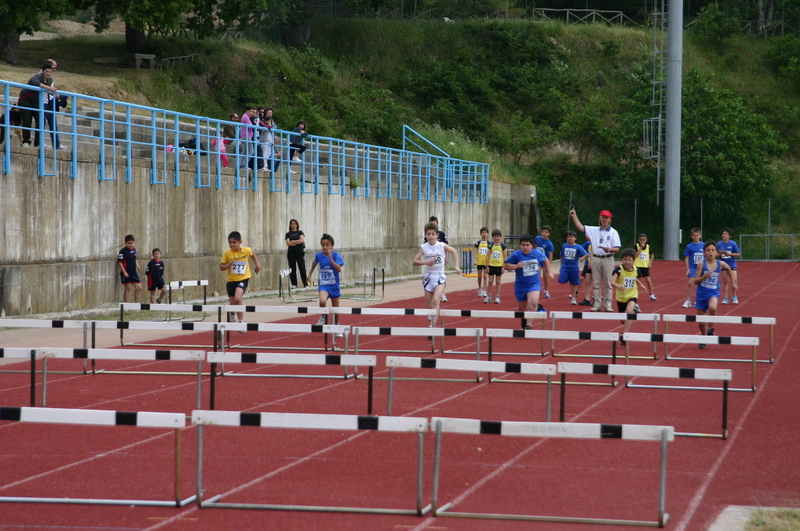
x=234 y=261
x=707 y=279
x=155 y=277
x=625 y=278
x=728 y=251
x=544 y=243
x=529 y=264
x=481 y=259
x=586 y=275
x=644 y=259
x=129 y=270
x=432 y=255
x=693 y=255
x=330 y=265
x=441 y=238
x=571 y=253
x=498 y=253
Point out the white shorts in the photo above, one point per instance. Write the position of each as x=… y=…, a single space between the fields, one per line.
x=431 y=280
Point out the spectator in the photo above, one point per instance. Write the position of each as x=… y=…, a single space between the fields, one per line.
x=297 y=142
x=247 y=135
x=30 y=102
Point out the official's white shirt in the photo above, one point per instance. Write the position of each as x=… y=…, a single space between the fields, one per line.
x=601 y=237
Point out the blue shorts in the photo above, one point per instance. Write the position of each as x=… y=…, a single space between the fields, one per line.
x=132 y=278
x=521 y=292
x=231 y=286
x=701 y=303
x=571 y=275
x=158 y=284
x=332 y=290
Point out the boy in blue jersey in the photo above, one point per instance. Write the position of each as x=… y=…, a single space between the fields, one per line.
x=707 y=279
x=529 y=264
x=693 y=255
x=544 y=243
x=330 y=265
x=129 y=270
x=155 y=277
x=728 y=252
x=571 y=253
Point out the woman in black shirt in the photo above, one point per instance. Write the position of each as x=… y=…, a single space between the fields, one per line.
x=295 y=239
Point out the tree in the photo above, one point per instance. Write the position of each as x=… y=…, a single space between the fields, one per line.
x=715 y=25
x=17 y=18
x=764 y=11
x=519 y=136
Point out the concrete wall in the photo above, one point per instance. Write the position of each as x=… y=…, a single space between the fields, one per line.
x=60 y=236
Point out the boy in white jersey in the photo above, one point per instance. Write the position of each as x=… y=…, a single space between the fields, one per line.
x=432 y=255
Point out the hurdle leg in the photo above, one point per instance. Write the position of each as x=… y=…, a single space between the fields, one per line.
x=44 y=382
x=553 y=341
x=753 y=375
x=563 y=396
x=420 y=468
x=549 y=395
x=771 y=342
x=655 y=345
x=213 y=384
x=199 y=471
x=199 y=384
x=724 y=409
x=489 y=375
x=436 y=464
x=662 y=489
x=477 y=353
x=33 y=377
x=389 y=398
x=369 y=390
x=177 y=468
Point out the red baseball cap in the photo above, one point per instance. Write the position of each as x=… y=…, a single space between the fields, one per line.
x=605 y=213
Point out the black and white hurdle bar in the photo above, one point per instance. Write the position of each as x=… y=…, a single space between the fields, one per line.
x=469 y=365
x=183 y=284
x=492 y=314
x=492 y=333
x=312 y=422
x=708 y=340
x=427 y=332
x=631 y=371
x=266 y=358
x=95 y=417
x=722 y=319
x=662 y=434
x=397 y=312
x=47 y=353
x=42 y=323
x=603 y=316
x=24 y=354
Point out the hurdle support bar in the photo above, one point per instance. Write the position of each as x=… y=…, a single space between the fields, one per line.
x=493 y=314
x=662 y=434
x=603 y=316
x=723 y=319
x=285 y=289
x=371 y=279
x=314 y=422
x=469 y=365
x=631 y=371
x=95 y=417
x=295 y=359
x=707 y=340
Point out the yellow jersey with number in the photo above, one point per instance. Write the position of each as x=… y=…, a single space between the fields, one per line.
x=240 y=270
x=643 y=256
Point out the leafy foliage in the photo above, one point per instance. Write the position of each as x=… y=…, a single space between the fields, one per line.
x=715 y=25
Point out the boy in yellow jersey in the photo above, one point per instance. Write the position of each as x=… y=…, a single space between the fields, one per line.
x=498 y=253
x=644 y=259
x=481 y=259
x=234 y=261
x=625 y=278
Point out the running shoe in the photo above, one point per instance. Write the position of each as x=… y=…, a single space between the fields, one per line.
x=241 y=331
x=636 y=309
x=497 y=300
x=322 y=320
x=595 y=309
x=735 y=299
x=702 y=345
x=444 y=298
x=487 y=300
x=621 y=341
x=585 y=302
x=653 y=297
x=687 y=303
x=527 y=327
x=710 y=331
x=572 y=301
x=546 y=294
x=541 y=308
x=480 y=293
x=725 y=300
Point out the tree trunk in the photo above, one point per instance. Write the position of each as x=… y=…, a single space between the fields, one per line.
x=761 y=26
x=9 y=46
x=135 y=39
x=770 y=12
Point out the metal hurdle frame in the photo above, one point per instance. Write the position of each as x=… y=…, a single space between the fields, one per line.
x=663 y=434
x=387 y=312
x=628 y=371
x=42 y=323
x=612 y=337
x=285 y=292
x=22 y=354
x=604 y=316
x=722 y=319
x=46 y=353
x=317 y=422
x=183 y=284
x=421 y=332
x=267 y=358
x=370 y=279
x=469 y=365
x=696 y=340
x=95 y=417
x=492 y=314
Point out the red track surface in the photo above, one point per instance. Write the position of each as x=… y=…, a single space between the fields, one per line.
x=759 y=464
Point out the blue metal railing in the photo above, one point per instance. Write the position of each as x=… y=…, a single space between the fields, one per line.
x=120 y=132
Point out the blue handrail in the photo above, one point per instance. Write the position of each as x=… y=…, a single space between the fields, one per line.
x=119 y=130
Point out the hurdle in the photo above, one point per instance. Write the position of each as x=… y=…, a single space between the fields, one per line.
x=370 y=279
x=183 y=284
x=358 y=331
x=469 y=365
x=723 y=319
x=23 y=353
x=285 y=289
x=696 y=340
x=663 y=434
x=47 y=353
x=314 y=422
x=492 y=333
x=602 y=316
x=491 y=314
x=388 y=312
x=265 y=358
x=629 y=371
x=95 y=417
x=466 y=263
